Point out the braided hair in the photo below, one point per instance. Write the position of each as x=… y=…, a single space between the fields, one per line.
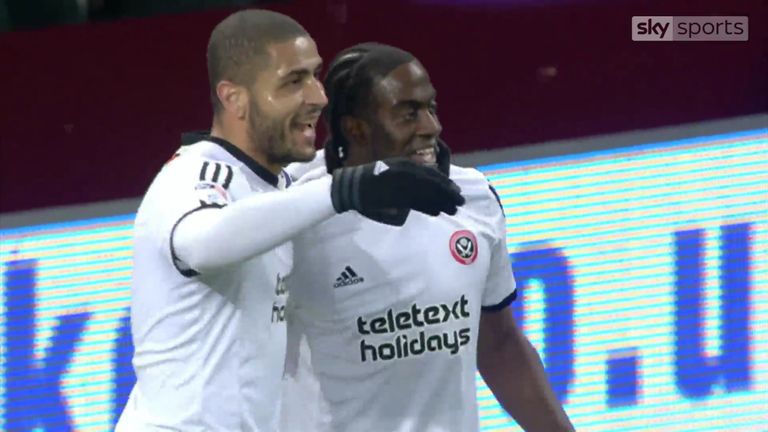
x=349 y=87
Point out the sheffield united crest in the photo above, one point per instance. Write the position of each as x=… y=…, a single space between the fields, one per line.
x=463 y=246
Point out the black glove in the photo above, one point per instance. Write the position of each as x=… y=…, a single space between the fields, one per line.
x=398 y=217
x=395 y=217
x=375 y=189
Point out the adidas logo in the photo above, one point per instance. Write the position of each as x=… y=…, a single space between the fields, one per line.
x=380 y=167
x=348 y=277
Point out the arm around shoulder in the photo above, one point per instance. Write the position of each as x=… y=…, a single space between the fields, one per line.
x=220 y=236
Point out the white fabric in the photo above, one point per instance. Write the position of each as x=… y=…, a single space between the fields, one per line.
x=218 y=237
x=390 y=318
x=298 y=169
x=210 y=349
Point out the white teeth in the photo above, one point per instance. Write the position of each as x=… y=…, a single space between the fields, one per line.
x=426 y=152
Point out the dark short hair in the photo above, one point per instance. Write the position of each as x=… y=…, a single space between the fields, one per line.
x=349 y=86
x=238 y=45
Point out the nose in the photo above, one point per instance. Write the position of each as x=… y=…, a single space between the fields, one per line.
x=315 y=94
x=429 y=125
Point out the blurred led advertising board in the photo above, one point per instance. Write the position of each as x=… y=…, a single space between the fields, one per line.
x=644 y=280
x=643 y=273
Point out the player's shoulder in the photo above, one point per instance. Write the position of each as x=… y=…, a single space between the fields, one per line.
x=197 y=153
x=312 y=175
x=297 y=170
x=201 y=161
x=201 y=167
x=474 y=185
x=465 y=174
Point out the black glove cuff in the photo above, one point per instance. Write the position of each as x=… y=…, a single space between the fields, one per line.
x=345 y=188
x=337 y=187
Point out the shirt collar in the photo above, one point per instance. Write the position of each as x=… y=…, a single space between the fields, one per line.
x=189 y=138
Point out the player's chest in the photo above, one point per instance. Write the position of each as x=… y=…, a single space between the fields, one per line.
x=430 y=262
x=262 y=278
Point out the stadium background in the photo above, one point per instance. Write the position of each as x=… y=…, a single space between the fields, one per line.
x=638 y=221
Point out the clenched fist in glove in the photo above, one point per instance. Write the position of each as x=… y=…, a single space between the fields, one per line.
x=392 y=187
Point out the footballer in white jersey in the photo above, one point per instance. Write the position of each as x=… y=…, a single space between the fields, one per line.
x=212 y=236
x=391 y=315
x=206 y=348
x=387 y=327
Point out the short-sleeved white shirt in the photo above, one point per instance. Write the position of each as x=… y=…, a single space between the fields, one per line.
x=391 y=317
x=209 y=349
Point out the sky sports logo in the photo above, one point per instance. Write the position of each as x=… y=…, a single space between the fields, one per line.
x=689 y=28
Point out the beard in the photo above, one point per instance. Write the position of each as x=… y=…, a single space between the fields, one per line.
x=270 y=136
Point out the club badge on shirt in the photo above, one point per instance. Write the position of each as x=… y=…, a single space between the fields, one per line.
x=211 y=194
x=463 y=245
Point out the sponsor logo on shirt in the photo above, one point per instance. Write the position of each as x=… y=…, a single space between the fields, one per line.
x=211 y=194
x=215 y=178
x=348 y=277
x=278 y=307
x=463 y=246
x=407 y=342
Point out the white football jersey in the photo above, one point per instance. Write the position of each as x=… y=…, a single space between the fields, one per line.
x=298 y=169
x=390 y=316
x=209 y=349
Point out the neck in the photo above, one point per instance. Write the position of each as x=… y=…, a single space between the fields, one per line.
x=238 y=136
x=357 y=157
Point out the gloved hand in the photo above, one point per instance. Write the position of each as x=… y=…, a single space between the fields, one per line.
x=397 y=217
x=376 y=188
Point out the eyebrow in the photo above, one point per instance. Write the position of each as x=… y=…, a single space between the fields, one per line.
x=415 y=104
x=301 y=72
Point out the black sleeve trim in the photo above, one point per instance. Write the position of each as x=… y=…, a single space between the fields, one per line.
x=498 y=200
x=174 y=258
x=288 y=179
x=228 y=179
x=216 y=173
x=248 y=161
x=501 y=305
